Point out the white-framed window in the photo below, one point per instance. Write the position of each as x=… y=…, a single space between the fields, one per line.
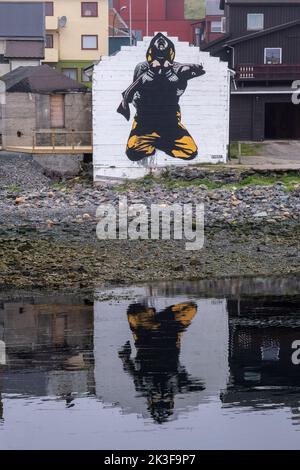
x=273 y=55
x=255 y=21
x=223 y=24
x=216 y=27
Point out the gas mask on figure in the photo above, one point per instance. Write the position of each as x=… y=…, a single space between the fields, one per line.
x=160 y=54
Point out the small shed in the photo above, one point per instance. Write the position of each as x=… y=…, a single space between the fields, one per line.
x=44 y=107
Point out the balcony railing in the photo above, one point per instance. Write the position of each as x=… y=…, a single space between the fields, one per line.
x=279 y=72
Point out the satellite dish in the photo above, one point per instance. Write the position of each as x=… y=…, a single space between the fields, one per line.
x=62 y=21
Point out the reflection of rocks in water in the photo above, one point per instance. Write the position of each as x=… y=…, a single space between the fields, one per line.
x=156 y=369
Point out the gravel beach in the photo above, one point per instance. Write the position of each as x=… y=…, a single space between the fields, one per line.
x=48 y=227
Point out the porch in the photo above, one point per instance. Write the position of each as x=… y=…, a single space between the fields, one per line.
x=55 y=141
x=278 y=72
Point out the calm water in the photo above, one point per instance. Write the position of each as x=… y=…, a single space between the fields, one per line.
x=205 y=365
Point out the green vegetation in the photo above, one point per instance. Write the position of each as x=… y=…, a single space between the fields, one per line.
x=194 y=9
x=248 y=150
x=290 y=181
x=13 y=188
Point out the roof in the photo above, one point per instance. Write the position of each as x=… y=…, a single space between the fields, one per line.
x=213 y=7
x=40 y=79
x=257 y=2
x=26 y=20
x=216 y=44
x=25 y=49
x=263 y=32
x=263 y=2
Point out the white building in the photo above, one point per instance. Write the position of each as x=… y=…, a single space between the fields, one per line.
x=204 y=108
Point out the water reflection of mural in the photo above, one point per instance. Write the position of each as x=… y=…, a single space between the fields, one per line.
x=160 y=342
x=156 y=370
x=159 y=356
x=157 y=87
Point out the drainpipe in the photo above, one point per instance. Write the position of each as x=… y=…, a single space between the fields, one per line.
x=233 y=57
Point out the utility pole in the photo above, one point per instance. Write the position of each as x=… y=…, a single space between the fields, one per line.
x=147 y=17
x=130 y=21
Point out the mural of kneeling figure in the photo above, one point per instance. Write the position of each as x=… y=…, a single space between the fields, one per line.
x=157 y=86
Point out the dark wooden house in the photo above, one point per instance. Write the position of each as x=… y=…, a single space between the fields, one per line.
x=262 y=45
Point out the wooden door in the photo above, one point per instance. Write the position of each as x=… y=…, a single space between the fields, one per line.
x=57 y=111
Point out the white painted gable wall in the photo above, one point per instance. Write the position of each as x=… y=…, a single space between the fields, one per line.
x=204 y=106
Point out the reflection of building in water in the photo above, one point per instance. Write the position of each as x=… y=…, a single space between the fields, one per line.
x=262 y=369
x=173 y=352
x=46 y=347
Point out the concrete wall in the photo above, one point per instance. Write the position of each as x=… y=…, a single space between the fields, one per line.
x=18 y=115
x=4 y=68
x=15 y=63
x=78 y=115
x=204 y=106
x=26 y=112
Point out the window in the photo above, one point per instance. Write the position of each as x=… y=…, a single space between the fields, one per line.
x=273 y=55
x=49 y=41
x=255 y=21
x=89 y=41
x=89 y=9
x=85 y=77
x=49 y=9
x=223 y=25
x=216 y=27
x=71 y=73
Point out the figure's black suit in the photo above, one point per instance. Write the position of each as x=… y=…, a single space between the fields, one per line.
x=155 y=92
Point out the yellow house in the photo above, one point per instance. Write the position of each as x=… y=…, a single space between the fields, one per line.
x=76 y=35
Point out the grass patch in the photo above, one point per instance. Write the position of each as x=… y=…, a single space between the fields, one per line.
x=173 y=184
x=58 y=185
x=290 y=181
x=13 y=188
x=248 y=150
x=194 y=9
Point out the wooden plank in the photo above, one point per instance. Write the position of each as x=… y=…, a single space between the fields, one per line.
x=57 y=111
x=50 y=150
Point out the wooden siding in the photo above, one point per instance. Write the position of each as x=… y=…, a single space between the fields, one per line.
x=252 y=52
x=247 y=115
x=241 y=117
x=273 y=16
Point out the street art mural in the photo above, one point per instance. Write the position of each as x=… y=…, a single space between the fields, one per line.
x=174 y=110
x=157 y=86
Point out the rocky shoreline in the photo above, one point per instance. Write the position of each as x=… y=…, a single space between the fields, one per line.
x=48 y=237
